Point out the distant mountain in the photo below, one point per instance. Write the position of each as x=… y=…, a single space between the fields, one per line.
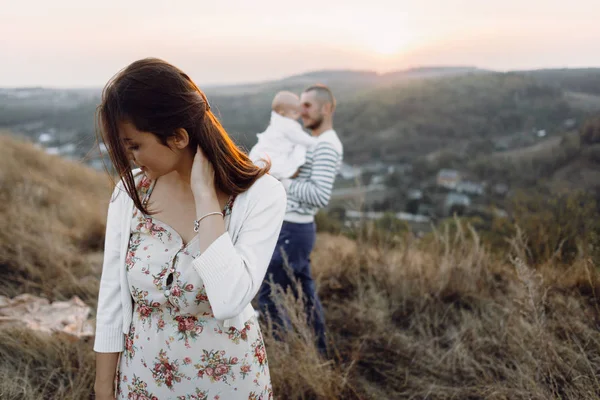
x=581 y=80
x=371 y=76
x=399 y=115
x=335 y=75
x=434 y=72
x=343 y=79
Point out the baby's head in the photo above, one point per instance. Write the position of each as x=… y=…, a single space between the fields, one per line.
x=287 y=104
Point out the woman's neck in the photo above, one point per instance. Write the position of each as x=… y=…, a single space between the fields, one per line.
x=179 y=180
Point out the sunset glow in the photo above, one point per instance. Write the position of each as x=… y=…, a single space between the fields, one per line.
x=387 y=46
x=67 y=43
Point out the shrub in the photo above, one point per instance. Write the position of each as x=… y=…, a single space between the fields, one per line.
x=590 y=131
x=561 y=227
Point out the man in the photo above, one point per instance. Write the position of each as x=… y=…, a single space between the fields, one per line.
x=309 y=191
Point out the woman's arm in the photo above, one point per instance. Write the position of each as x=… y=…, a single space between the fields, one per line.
x=212 y=226
x=109 y=338
x=106 y=369
x=109 y=314
x=233 y=274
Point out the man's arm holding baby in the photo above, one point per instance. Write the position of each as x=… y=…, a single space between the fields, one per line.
x=316 y=189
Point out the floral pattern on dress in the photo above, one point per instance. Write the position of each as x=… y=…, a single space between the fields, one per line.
x=260 y=354
x=216 y=366
x=177 y=297
x=166 y=372
x=201 y=296
x=131 y=259
x=167 y=350
x=159 y=278
x=138 y=390
x=267 y=394
x=147 y=225
x=199 y=395
x=236 y=335
x=160 y=324
x=188 y=327
x=245 y=370
x=145 y=307
x=130 y=347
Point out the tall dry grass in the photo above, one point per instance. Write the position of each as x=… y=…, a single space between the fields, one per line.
x=448 y=321
x=442 y=319
x=53 y=219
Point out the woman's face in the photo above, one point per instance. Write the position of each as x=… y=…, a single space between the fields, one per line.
x=147 y=152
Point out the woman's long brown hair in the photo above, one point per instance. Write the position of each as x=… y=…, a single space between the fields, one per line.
x=157 y=97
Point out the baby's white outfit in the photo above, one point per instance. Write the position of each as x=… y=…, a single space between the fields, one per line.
x=284 y=143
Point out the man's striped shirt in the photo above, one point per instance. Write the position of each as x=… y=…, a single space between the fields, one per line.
x=311 y=190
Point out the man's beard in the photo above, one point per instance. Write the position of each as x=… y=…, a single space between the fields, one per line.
x=315 y=125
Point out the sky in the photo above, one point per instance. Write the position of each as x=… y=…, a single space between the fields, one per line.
x=67 y=43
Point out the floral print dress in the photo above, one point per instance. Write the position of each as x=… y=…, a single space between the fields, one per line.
x=175 y=348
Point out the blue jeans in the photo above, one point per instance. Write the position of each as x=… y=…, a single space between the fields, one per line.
x=295 y=243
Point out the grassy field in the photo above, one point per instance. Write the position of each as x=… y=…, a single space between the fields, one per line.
x=439 y=318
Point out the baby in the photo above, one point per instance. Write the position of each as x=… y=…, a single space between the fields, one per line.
x=284 y=143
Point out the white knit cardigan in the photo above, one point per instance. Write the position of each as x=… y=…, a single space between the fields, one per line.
x=232 y=268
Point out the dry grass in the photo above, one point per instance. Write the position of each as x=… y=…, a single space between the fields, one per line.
x=37 y=366
x=450 y=322
x=436 y=320
x=53 y=218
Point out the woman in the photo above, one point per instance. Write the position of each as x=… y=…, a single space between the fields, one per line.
x=189 y=237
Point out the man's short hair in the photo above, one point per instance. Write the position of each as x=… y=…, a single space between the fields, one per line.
x=323 y=94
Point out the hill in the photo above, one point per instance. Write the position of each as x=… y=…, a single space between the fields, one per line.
x=352 y=79
x=52 y=225
x=563 y=162
x=438 y=318
x=581 y=80
x=404 y=118
x=395 y=117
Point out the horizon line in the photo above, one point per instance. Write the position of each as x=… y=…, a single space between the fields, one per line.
x=325 y=70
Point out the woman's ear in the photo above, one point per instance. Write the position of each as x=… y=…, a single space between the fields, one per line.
x=180 y=139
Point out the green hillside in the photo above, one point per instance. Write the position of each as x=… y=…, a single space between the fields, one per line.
x=584 y=80
x=396 y=116
x=412 y=117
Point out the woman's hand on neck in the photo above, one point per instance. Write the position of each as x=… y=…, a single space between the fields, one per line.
x=202 y=177
x=202 y=181
x=183 y=180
